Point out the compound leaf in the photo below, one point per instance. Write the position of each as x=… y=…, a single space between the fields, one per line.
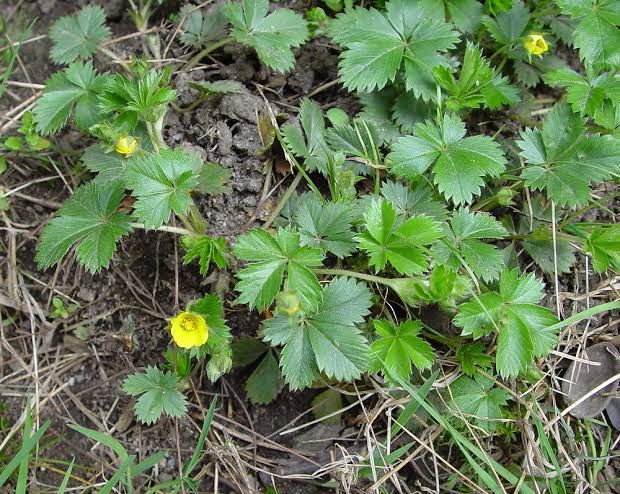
x=90 y=218
x=479 y=398
x=78 y=35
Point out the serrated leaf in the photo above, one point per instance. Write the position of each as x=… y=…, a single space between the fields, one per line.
x=109 y=167
x=465 y=233
x=471 y=356
x=478 y=83
x=72 y=91
x=311 y=144
x=206 y=249
x=327 y=226
x=202 y=28
x=158 y=394
x=270 y=259
x=508 y=27
x=359 y=138
x=162 y=184
x=90 y=219
x=480 y=399
x=78 y=35
x=246 y=350
x=458 y=163
x=522 y=325
x=265 y=382
x=563 y=160
x=584 y=94
x=210 y=307
x=326 y=339
x=271 y=35
x=418 y=198
x=380 y=45
x=402 y=245
x=604 y=245
x=398 y=347
x=212 y=179
x=376 y=110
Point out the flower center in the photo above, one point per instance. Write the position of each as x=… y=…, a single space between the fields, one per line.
x=188 y=325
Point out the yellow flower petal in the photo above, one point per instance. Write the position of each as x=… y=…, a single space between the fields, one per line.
x=535 y=44
x=189 y=330
x=126 y=145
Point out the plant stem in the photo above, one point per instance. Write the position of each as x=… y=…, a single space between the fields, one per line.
x=353 y=274
x=164 y=228
x=155 y=134
x=197 y=58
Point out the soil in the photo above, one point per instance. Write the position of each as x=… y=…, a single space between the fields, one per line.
x=125 y=307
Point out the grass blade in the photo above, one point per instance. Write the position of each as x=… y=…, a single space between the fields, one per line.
x=65 y=479
x=23 y=451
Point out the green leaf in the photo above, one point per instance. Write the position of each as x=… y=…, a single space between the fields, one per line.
x=270 y=258
x=478 y=83
x=162 y=184
x=522 y=325
x=415 y=199
x=326 y=339
x=377 y=46
x=471 y=356
x=271 y=35
x=360 y=139
x=158 y=394
x=597 y=35
x=398 y=347
x=77 y=36
x=539 y=241
x=403 y=246
x=212 y=179
x=563 y=160
x=210 y=307
x=328 y=403
x=72 y=91
x=265 y=382
x=89 y=218
x=202 y=28
x=508 y=27
x=480 y=399
x=311 y=144
x=584 y=94
x=465 y=234
x=206 y=249
x=246 y=350
x=458 y=163
x=604 y=245
x=109 y=167
x=377 y=109
x=327 y=227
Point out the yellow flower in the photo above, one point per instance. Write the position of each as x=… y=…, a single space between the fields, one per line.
x=535 y=44
x=189 y=330
x=126 y=145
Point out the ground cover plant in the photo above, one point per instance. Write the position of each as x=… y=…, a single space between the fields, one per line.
x=349 y=246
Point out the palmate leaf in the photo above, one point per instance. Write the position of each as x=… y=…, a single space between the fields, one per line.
x=327 y=226
x=161 y=183
x=377 y=46
x=271 y=35
x=326 y=339
x=271 y=257
x=508 y=27
x=398 y=347
x=89 y=218
x=201 y=28
x=78 y=35
x=418 y=198
x=564 y=161
x=311 y=144
x=108 y=166
x=597 y=35
x=522 y=325
x=585 y=94
x=158 y=394
x=465 y=14
x=72 y=91
x=472 y=356
x=458 y=163
x=206 y=249
x=479 y=398
x=465 y=234
x=402 y=245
